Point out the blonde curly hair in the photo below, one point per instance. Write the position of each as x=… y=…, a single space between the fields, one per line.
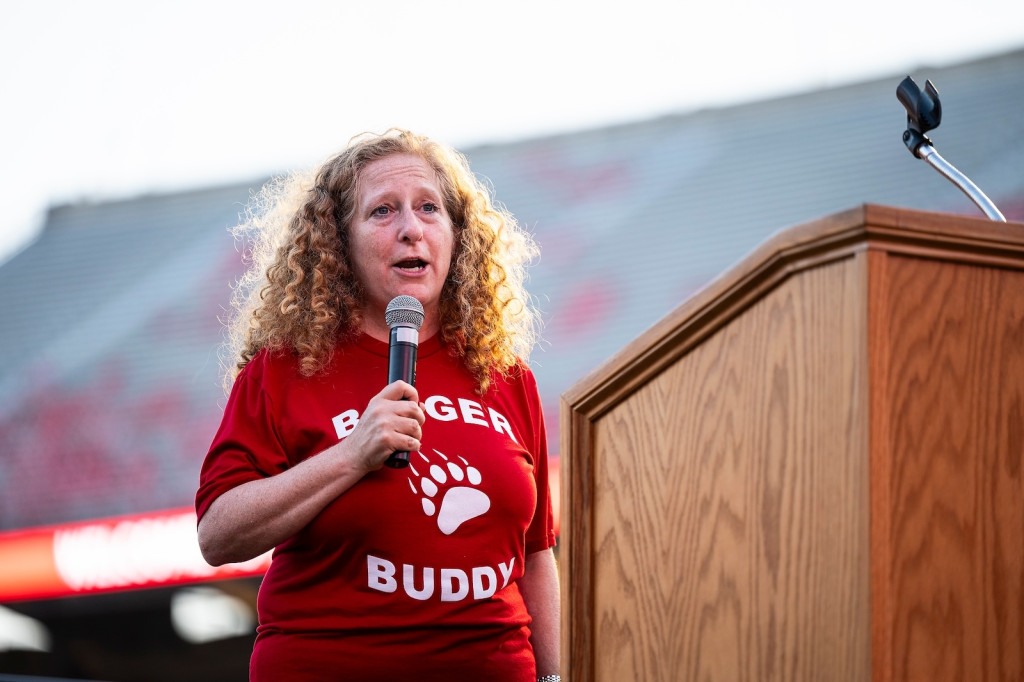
x=300 y=293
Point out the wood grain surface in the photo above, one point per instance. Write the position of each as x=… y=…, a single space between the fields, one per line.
x=729 y=494
x=811 y=469
x=949 y=390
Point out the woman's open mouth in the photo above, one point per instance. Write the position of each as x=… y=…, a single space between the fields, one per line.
x=411 y=264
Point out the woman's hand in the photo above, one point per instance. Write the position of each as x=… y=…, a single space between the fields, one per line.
x=392 y=421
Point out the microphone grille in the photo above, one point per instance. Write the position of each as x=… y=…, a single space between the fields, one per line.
x=404 y=311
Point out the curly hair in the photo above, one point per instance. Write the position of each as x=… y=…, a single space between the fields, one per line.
x=300 y=293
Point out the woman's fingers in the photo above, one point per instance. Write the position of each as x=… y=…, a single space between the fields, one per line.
x=392 y=422
x=399 y=390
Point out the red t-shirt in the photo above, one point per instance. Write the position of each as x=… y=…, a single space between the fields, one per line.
x=411 y=573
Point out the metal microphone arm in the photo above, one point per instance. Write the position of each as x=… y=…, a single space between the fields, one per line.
x=935 y=160
x=924 y=113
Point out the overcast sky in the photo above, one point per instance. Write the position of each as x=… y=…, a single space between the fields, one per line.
x=110 y=99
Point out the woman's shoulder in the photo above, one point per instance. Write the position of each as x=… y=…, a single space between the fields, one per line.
x=284 y=364
x=270 y=365
x=517 y=376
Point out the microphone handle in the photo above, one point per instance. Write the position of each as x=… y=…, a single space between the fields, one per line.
x=401 y=365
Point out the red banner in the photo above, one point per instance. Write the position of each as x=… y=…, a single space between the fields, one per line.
x=143 y=550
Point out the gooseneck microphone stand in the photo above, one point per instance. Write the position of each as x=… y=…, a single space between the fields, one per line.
x=924 y=113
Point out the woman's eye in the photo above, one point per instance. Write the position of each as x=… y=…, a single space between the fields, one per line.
x=430 y=207
x=381 y=210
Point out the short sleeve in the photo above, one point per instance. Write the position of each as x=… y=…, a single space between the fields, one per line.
x=540 y=535
x=247 y=445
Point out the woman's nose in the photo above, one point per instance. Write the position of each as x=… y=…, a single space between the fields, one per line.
x=409 y=227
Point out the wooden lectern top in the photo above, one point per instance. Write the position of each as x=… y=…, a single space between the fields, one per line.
x=927 y=234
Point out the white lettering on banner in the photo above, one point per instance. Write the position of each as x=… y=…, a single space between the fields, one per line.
x=453 y=584
x=134 y=552
x=442 y=409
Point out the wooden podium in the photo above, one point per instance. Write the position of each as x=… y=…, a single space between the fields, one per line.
x=811 y=470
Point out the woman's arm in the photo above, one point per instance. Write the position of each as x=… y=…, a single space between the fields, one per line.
x=539 y=586
x=254 y=517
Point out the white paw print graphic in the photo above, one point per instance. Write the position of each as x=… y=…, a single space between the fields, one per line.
x=460 y=502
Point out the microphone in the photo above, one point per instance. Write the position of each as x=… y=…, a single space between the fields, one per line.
x=404 y=316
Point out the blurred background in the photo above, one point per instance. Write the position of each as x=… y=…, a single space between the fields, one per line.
x=647 y=148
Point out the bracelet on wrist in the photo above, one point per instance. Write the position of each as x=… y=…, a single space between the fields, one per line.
x=549 y=678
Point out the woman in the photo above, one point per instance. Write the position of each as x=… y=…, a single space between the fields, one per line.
x=441 y=570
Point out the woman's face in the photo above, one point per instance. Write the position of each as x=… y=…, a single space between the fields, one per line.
x=401 y=239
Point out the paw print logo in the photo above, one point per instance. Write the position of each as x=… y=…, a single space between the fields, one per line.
x=460 y=500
